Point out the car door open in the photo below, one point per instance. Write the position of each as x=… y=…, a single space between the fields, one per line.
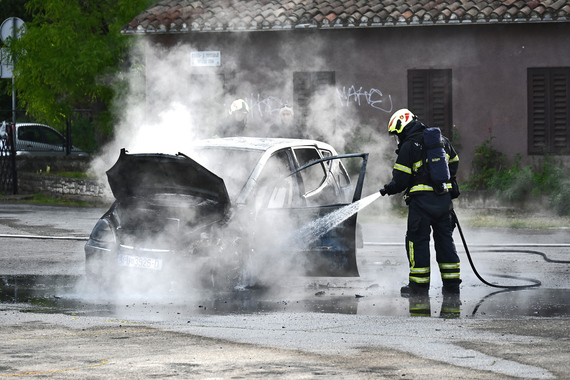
x=320 y=238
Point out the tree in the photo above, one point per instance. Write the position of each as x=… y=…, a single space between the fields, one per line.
x=68 y=58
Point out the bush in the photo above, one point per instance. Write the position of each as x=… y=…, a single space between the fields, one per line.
x=513 y=184
x=517 y=183
x=83 y=134
x=560 y=200
x=486 y=164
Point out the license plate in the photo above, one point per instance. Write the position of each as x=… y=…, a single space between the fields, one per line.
x=140 y=262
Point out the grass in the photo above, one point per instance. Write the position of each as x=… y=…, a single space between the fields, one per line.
x=45 y=199
x=515 y=220
x=488 y=218
x=73 y=175
x=65 y=174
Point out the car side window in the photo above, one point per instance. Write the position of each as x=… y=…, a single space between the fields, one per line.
x=274 y=190
x=313 y=176
x=340 y=174
x=29 y=133
x=52 y=137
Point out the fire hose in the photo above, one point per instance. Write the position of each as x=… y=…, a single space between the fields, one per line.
x=534 y=282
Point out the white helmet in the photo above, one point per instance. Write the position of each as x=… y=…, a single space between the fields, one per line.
x=399 y=120
x=239 y=106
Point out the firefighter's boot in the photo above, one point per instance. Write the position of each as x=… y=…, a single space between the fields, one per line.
x=412 y=290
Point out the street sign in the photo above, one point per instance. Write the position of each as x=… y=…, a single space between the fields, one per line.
x=11 y=27
x=5 y=64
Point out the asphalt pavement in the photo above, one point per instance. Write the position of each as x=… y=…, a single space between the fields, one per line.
x=350 y=328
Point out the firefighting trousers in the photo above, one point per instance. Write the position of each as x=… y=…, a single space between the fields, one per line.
x=429 y=212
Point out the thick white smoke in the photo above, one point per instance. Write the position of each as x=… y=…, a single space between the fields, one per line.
x=167 y=107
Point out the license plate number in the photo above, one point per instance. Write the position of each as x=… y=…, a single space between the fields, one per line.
x=140 y=262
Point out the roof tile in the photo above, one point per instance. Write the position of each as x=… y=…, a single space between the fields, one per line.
x=176 y=16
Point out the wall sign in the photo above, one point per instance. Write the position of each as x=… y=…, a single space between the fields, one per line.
x=205 y=58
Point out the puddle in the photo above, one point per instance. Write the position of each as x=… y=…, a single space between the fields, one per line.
x=525 y=303
x=64 y=294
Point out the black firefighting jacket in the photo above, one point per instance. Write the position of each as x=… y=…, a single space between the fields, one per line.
x=409 y=173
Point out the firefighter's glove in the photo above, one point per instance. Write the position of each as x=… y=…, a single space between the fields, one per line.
x=383 y=191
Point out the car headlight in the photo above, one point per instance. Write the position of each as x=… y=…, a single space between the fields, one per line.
x=102 y=232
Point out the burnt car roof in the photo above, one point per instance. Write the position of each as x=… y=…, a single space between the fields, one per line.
x=146 y=175
x=266 y=146
x=257 y=143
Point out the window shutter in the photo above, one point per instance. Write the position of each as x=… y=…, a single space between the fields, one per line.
x=537 y=116
x=429 y=97
x=305 y=86
x=418 y=98
x=302 y=95
x=441 y=100
x=548 y=110
x=561 y=109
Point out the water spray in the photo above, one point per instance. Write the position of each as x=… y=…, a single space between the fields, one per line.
x=324 y=224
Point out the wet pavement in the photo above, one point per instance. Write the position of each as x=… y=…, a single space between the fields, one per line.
x=297 y=327
x=66 y=294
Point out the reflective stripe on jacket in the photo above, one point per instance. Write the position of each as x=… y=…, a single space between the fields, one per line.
x=408 y=173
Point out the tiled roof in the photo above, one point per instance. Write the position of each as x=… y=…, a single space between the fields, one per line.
x=186 y=16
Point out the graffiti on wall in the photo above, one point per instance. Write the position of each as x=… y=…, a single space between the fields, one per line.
x=373 y=98
x=261 y=106
x=269 y=106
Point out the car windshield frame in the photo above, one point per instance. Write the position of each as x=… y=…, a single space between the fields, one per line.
x=222 y=161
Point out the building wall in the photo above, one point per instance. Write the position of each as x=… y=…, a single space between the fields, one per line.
x=488 y=62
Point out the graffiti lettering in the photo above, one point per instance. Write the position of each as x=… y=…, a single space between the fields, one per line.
x=270 y=105
x=264 y=106
x=374 y=98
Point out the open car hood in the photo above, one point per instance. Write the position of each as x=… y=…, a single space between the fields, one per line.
x=147 y=175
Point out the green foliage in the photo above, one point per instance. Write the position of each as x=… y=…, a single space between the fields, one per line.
x=73 y=175
x=486 y=164
x=512 y=183
x=519 y=183
x=45 y=199
x=560 y=199
x=69 y=55
x=83 y=134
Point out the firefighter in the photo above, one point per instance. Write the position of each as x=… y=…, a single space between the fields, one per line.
x=427 y=209
x=286 y=126
x=236 y=122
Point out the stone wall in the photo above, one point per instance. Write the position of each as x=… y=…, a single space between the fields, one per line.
x=74 y=189
x=36 y=175
x=36 y=164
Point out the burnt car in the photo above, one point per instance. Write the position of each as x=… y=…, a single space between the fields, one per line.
x=227 y=209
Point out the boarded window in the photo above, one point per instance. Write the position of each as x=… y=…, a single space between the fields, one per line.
x=305 y=86
x=549 y=110
x=429 y=97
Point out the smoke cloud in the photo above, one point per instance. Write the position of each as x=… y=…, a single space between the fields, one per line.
x=165 y=108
